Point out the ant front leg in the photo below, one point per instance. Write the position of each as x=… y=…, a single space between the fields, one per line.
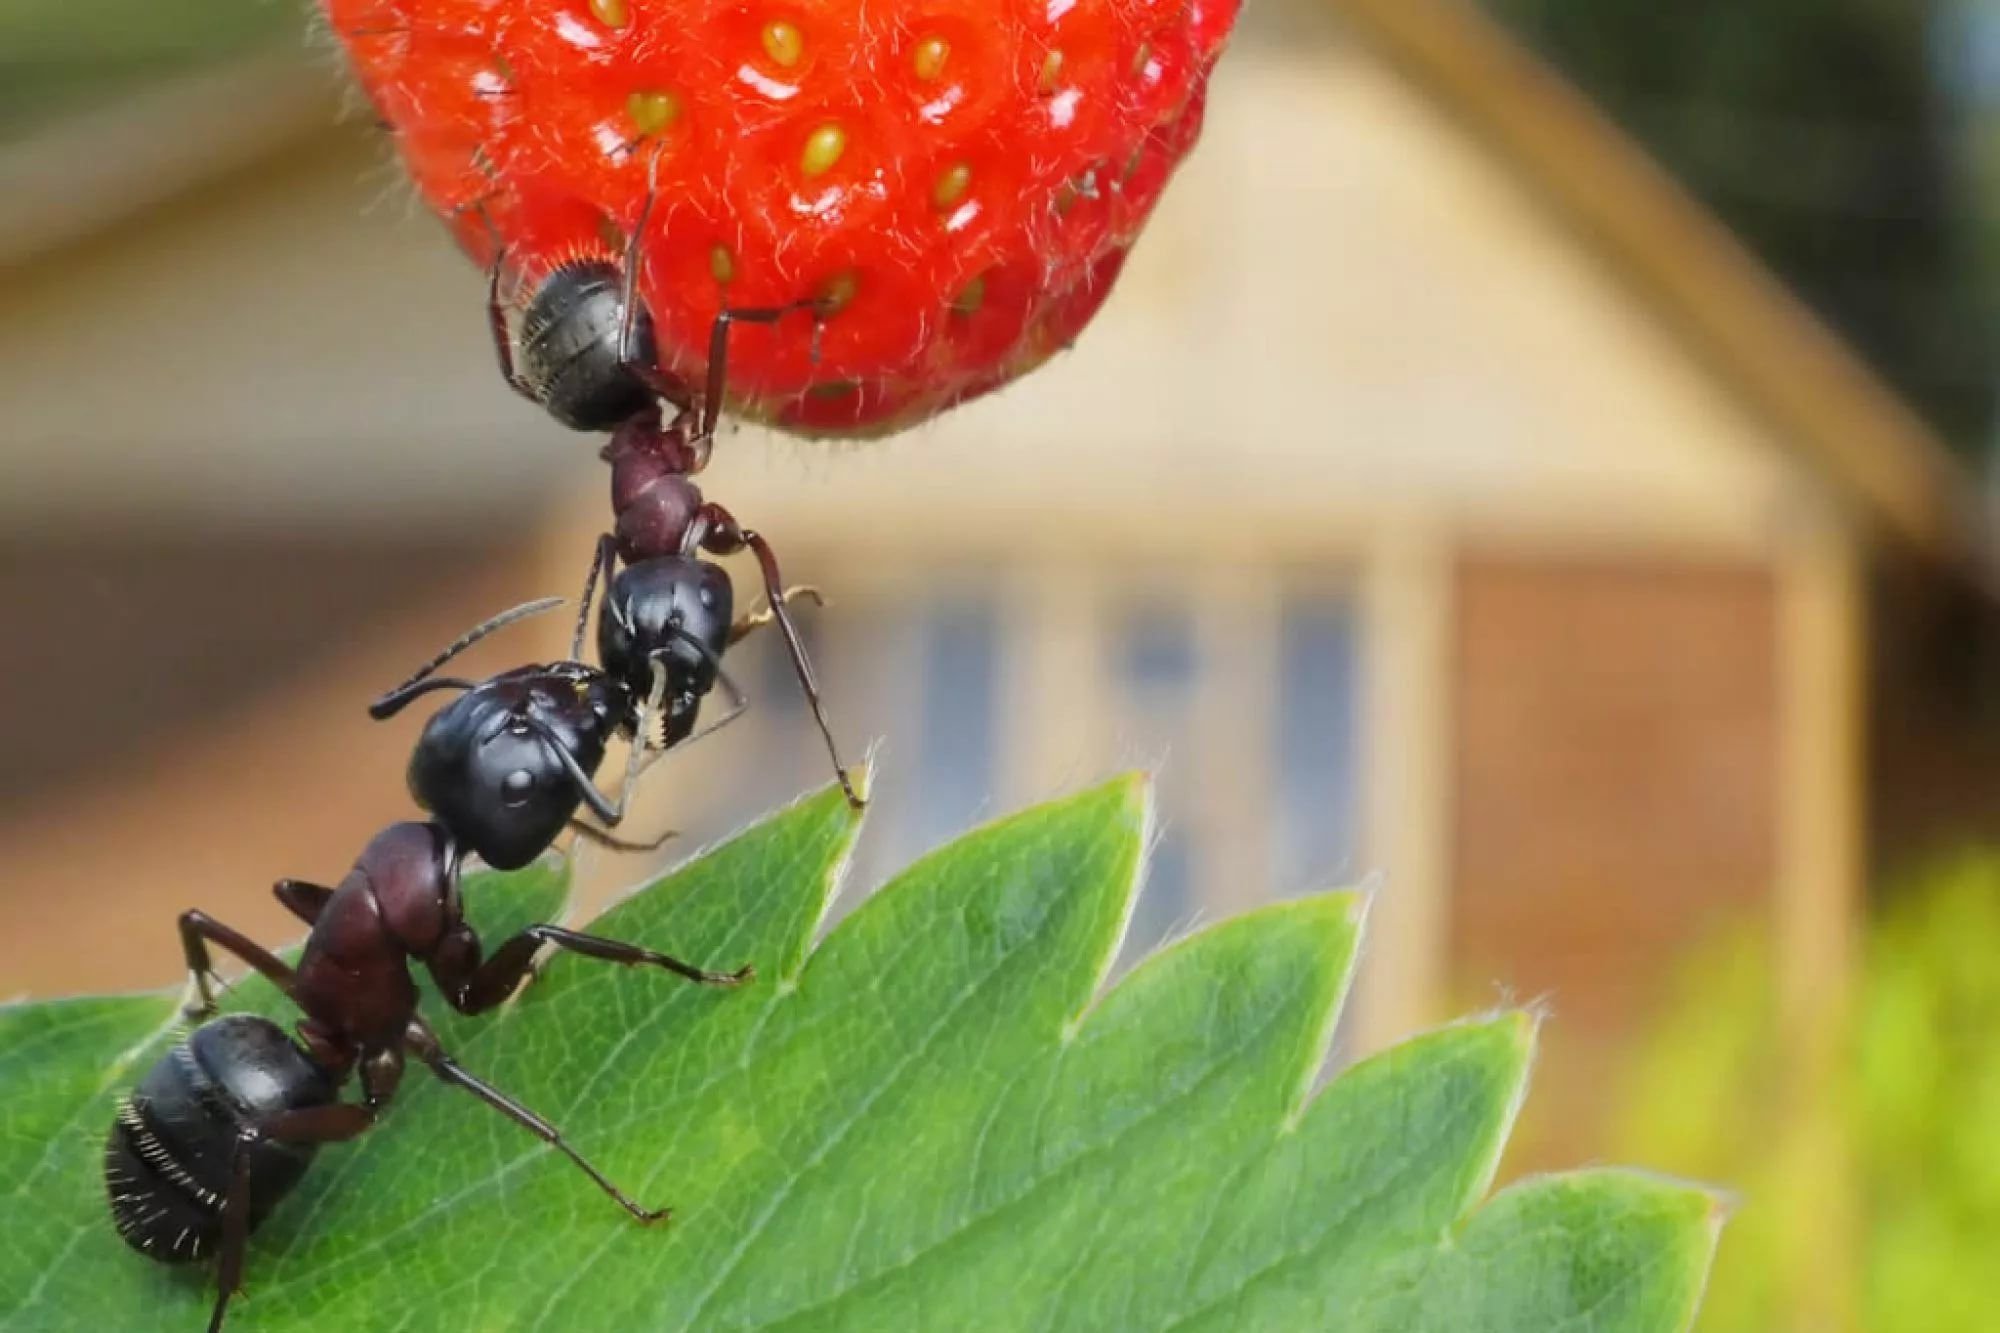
x=423 y=1043
x=198 y=931
x=310 y=1125
x=597 y=835
x=718 y=358
x=723 y=535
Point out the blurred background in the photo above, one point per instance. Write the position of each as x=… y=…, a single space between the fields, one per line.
x=1539 y=458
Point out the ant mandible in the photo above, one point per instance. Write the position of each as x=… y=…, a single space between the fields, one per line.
x=225 y=1125
x=587 y=355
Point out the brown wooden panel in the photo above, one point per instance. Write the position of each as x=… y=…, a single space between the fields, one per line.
x=1616 y=752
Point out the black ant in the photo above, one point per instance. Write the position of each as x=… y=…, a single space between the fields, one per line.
x=225 y=1125
x=586 y=353
x=537 y=734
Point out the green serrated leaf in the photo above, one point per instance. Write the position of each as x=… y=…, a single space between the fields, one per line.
x=934 y=1120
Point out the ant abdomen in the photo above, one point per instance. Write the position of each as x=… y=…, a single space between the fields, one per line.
x=569 y=353
x=173 y=1146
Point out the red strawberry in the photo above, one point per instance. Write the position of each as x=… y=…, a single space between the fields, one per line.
x=962 y=178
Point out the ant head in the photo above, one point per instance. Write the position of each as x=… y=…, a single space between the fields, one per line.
x=569 y=348
x=675 y=610
x=502 y=765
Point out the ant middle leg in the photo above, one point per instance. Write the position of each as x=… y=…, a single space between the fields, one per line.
x=423 y=1043
x=199 y=930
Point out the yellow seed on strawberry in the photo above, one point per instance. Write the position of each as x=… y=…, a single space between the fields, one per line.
x=722 y=264
x=651 y=112
x=970 y=297
x=952 y=183
x=1051 y=71
x=928 y=58
x=611 y=13
x=836 y=292
x=823 y=148
x=783 y=43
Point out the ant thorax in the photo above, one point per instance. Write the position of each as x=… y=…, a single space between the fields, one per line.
x=655 y=503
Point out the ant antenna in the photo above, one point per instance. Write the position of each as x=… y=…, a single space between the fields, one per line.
x=401 y=694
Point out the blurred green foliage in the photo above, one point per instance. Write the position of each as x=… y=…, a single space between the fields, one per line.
x=1818 y=130
x=59 y=55
x=1919 y=1095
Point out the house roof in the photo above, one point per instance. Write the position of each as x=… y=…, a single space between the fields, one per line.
x=1740 y=320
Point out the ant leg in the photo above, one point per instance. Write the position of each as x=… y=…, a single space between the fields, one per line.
x=631 y=355
x=756 y=620
x=603 y=564
x=420 y=681
x=503 y=338
x=198 y=930
x=472 y=987
x=725 y=536
x=303 y=900
x=423 y=1044
x=616 y=844
x=718 y=356
x=309 y=1125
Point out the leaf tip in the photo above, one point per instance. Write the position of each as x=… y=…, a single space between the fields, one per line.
x=1134 y=788
x=861 y=777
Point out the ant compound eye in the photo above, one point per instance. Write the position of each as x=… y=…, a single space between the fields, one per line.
x=517 y=786
x=708 y=599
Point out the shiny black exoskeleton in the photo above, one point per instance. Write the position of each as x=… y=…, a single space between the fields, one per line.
x=173 y=1155
x=673 y=615
x=506 y=765
x=571 y=357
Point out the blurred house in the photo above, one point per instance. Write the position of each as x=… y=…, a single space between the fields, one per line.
x=1442 y=494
